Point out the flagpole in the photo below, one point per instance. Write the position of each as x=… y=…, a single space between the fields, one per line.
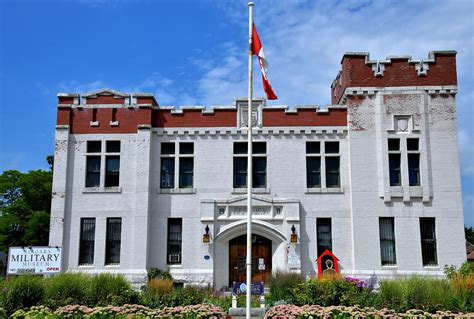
x=249 y=174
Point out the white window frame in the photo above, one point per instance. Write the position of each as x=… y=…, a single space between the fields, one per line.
x=176 y=157
x=102 y=154
x=323 y=155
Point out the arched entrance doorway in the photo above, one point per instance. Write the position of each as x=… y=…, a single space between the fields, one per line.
x=261 y=258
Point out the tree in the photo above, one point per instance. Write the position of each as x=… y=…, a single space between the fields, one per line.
x=469 y=234
x=9 y=187
x=25 y=208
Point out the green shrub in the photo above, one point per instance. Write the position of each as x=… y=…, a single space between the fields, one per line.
x=183 y=297
x=462 y=293
x=158 y=273
x=67 y=289
x=21 y=292
x=466 y=269
x=426 y=294
x=330 y=292
x=281 y=284
x=108 y=289
x=218 y=300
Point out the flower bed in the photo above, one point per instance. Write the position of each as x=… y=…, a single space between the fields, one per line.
x=310 y=312
x=119 y=312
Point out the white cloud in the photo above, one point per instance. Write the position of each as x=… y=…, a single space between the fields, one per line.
x=77 y=87
x=304 y=40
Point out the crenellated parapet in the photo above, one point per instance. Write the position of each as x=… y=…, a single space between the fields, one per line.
x=358 y=71
x=111 y=112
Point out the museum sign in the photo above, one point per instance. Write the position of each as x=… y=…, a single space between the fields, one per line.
x=34 y=260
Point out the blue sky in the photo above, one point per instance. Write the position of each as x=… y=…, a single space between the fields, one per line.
x=194 y=53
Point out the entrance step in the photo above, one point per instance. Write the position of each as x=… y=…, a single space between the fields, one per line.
x=239 y=313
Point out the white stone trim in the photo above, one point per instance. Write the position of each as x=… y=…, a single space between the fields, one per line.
x=260 y=227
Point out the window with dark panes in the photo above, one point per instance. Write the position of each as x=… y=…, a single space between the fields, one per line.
x=112 y=164
x=394 y=167
x=331 y=147
x=324 y=235
x=86 y=241
x=313 y=147
x=186 y=148
x=332 y=161
x=259 y=164
x=92 y=171
x=112 y=146
x=167 y=172
x=167 y=149
x=94 y=158
x=167 y=165
x=259 y=176
x=112 y=171
x=412 y=144
x=332 y=172
x=428 y=241
x=186 y=164
x=394 y=144
x=93 y=163
x=414 y=169
x=387 y=241
x=240 y=172
x=394 y=161
x=313 y=171
x=174 y=240
x=413 y=156
x=94 y=146
x=313 y=164
x=113 y=240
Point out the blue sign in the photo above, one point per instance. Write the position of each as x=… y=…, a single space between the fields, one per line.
x=207 y=257
x=240 y=288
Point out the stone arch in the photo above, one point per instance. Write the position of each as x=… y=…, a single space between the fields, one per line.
x=259 y=227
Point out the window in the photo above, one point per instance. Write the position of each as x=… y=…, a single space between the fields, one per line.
x=413 y=155
x=394 y=157
x=428 y=241
x=186 y=165
x=332 y=159
x=86 y=241
x=259 y=164
x=323 y=164
x=397 y=152
x=113 y=240
x=93 y=171
x=174 y=240
x=387 y=241
x=324 y=235
x=313 y=164
x=184 y=160
x=94 y=158
x=112 y=170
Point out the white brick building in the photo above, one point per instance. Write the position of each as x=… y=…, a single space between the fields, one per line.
x=374 y=178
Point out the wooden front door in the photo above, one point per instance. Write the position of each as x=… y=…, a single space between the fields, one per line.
x=261 y=255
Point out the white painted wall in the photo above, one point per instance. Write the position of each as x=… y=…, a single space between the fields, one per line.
x=354 y=208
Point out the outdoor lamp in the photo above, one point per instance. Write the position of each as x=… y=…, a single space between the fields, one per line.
x=294 y=237
x=205 y=237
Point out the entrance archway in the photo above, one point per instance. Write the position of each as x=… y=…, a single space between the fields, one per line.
x=261 y=258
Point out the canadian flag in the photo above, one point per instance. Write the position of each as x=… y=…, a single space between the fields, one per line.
x=257 y=49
